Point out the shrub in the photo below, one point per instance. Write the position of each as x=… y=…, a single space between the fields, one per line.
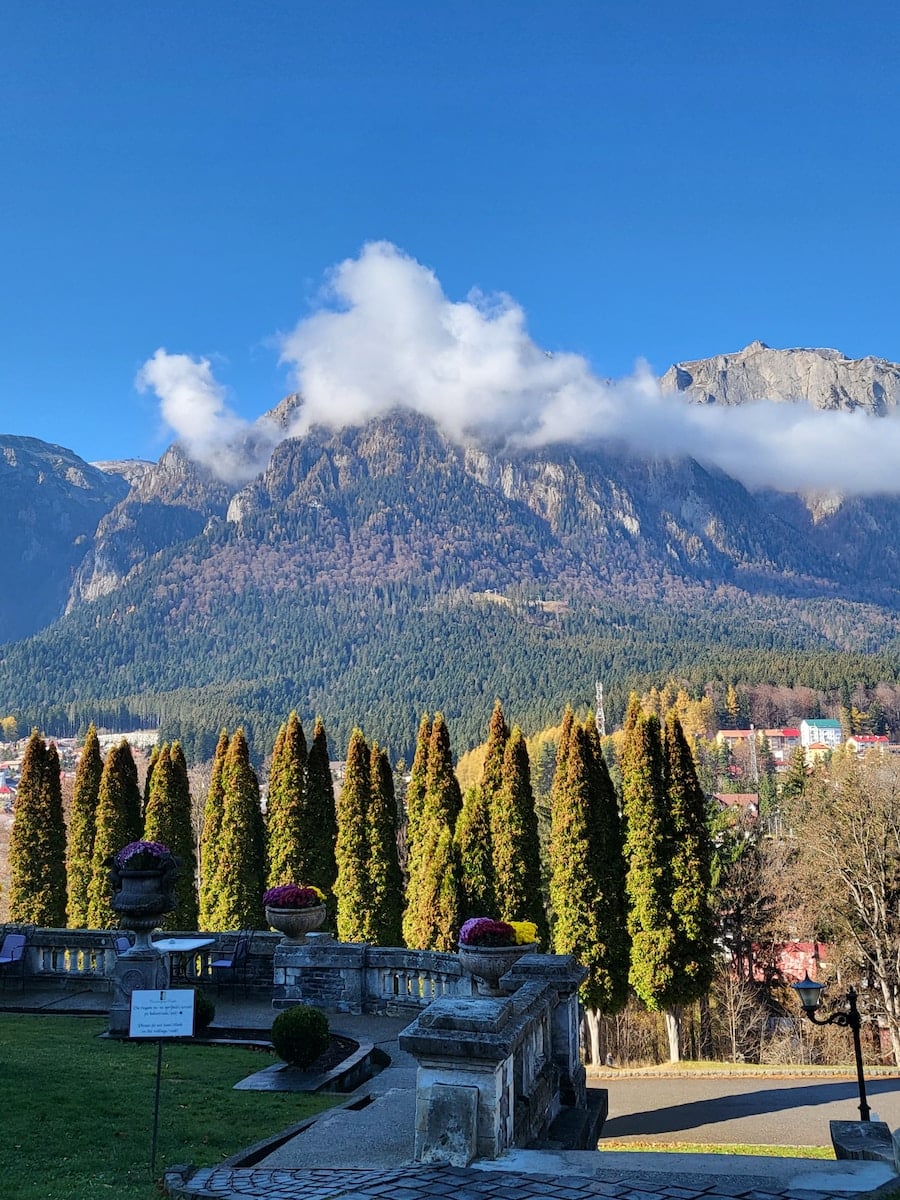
x=300 y=1034
x=204 y=1011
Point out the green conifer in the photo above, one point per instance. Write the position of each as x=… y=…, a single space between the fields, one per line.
x=473 y=844
x=383 y=866
x=434 y=901
x=168 y=820
x=514 y=840
x=319 y=866
x=145 y=799
x=209 y=838
x=352 y=886
x=118 y=823
x=37 y=847
x=587 y=878
x=82 y=824
x=241 y=870
x=288 y=830
x=689 y=867
x=415 y=790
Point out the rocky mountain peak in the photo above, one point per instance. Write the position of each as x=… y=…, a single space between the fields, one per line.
x=824 y=378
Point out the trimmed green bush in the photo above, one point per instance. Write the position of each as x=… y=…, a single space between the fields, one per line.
x=300 y=1034
x=204 y=1011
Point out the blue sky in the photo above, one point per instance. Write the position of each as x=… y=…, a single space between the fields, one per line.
x=644 y=179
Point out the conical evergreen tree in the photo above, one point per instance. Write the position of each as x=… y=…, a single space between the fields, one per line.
x=287 y=810
x=690 y=867
x=473 y=844
x=418 y=774
x=118 y=823
x=498 y=736
x=434 y=903
x=168 y=820
x=514 y=841
x=318 y=865
x=209 y=838
x=649 y=851
x=587 y=873
x=241 y=872
x=82 y=824
x=37 y=846
x=385 y=881
x=145 y=800
x=187 y=856
x=353 y=886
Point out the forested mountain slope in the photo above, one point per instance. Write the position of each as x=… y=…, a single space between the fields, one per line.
x=378 y=571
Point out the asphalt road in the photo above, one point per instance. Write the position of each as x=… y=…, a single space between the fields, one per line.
x=758 y=1111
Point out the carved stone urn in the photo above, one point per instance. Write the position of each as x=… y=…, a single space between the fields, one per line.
x=489 y=963
x=295 y=923
x=142 y=878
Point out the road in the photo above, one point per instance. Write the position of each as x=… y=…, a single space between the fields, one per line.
x=758 y=1111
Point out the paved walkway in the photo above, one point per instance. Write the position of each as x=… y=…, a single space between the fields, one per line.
x=366 y=1153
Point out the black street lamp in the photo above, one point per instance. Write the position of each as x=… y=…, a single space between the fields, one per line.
x=810 y=994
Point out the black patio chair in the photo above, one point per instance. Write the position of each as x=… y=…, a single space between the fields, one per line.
x=13 y=951
x=234 y=962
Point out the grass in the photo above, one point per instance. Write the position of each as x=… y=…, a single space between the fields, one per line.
x=722 y=1148
x=78 y=1109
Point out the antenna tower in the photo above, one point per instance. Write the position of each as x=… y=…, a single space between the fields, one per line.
x=600 y=717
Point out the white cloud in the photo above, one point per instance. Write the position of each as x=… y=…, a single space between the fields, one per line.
x=193 y=404
x=386 y=336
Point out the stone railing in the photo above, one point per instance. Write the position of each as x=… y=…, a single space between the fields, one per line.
x=355 y=977
x=500 y=1072
x=66 y=958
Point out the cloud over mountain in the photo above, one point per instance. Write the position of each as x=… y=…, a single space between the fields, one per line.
x=385 y=336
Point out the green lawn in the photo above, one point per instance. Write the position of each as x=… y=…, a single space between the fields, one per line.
x=77 y=1109
x=720 y=1148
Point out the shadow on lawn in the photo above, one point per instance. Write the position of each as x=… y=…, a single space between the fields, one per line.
x=678 y=1118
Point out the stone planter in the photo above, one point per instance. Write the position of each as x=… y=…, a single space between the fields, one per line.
x=141 y=900
x=295 y=923
x=489 y=963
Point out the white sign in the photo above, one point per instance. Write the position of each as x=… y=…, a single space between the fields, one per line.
x=162 y=1013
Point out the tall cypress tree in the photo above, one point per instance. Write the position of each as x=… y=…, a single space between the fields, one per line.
x=168 y=820
x=241 y=871
x=433 y=896
x=473 y=844
x=649 y=850
x=352 y=886
x=209 y=838
x=690 y=867
x=145 y=800
x=320 y=827
x=288 y=830
x=37 y=846
x=415 y=791
x=82 y=824
x=587 y=880
x=514 y=840
x=118 y=823
x=385 y=881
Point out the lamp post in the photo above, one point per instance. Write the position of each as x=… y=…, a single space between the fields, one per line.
x=810 y=994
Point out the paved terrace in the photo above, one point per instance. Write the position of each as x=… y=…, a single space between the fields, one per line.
x=364 y=1153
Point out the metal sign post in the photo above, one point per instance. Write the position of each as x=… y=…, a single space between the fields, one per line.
x=168 y=1013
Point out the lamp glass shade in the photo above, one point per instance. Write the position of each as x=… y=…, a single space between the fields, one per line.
x=809 y=991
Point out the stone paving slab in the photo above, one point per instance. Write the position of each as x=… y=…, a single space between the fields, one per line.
x=420 y=1183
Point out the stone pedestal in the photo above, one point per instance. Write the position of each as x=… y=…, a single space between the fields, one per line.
x=138 y=969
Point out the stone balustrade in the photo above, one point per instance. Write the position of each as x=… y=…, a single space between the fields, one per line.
x=355 y=977
x=62 y=958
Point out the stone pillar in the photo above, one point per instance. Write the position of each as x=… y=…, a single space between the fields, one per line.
x=463 y=1044
x=323 y=972
x=565 y=976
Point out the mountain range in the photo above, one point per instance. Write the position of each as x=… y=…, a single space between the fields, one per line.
x=373 y=572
